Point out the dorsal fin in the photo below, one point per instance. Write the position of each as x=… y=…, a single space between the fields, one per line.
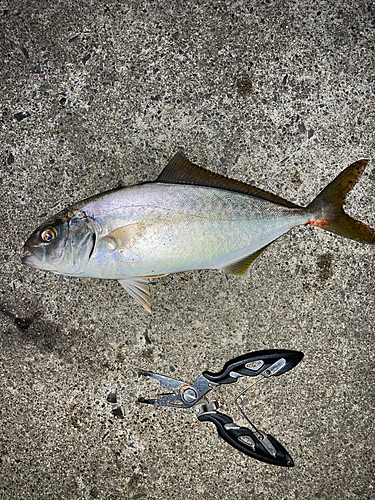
x=181 y=171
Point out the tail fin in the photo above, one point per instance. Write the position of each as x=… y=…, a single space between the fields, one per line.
x=329 y=205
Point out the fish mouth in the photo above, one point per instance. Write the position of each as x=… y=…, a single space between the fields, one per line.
x=31 y=258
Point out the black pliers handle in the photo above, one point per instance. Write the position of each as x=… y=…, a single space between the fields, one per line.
x=251 y=441
x=268 y=363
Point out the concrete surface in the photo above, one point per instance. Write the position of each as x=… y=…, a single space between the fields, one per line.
x=97 y=93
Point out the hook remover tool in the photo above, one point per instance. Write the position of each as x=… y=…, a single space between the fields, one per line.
x=261 y=364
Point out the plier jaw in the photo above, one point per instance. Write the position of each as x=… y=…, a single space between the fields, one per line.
x=251 y=441
x=185 y=395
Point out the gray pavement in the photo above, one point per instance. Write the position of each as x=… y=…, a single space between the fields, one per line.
x=276 y=93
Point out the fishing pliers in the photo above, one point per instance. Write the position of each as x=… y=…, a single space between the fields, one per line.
x=251 y=441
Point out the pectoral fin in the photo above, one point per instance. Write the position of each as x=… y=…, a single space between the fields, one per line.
x=124 y=237
x=242 y=267
x=139 y=289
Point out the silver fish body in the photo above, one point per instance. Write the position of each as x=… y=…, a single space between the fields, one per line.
x=152 y=229
x=180 y=228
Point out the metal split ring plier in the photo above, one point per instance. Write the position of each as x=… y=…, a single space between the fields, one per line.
x=251 y=441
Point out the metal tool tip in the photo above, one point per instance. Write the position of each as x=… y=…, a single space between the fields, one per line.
x=148 y=401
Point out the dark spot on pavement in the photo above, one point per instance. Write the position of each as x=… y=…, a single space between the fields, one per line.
x=117 y=413
x=25 y=53
x=324 y=263
x=244 y=85
x=21 y=115
x=112 y=397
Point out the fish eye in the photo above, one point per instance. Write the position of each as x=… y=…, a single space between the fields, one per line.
x=49 y=234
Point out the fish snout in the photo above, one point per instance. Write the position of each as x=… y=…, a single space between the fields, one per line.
x=31 y=258
x=32 y=252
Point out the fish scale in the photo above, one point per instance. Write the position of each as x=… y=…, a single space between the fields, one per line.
x=187 y=227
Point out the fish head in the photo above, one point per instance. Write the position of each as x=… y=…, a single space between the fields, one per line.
x=63 y=244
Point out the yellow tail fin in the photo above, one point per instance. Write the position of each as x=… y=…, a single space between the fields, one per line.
x=329 y=204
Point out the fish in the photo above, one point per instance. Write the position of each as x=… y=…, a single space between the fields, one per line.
x=189 y=218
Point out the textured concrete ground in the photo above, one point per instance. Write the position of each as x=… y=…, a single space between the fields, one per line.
x=93 y=94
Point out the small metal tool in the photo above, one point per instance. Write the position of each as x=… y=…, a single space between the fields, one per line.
x=251 y=441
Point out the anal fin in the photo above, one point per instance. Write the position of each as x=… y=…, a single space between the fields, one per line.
x=241 y=267
x=139 y=289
